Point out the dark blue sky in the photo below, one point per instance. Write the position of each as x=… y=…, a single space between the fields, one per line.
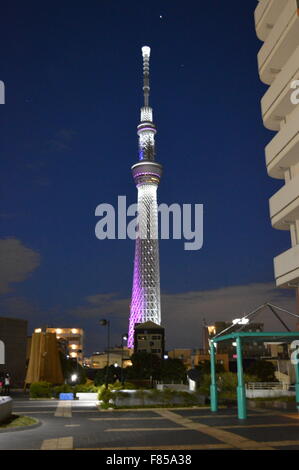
x=73 y=76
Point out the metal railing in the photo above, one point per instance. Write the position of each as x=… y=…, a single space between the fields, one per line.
x=266 y=386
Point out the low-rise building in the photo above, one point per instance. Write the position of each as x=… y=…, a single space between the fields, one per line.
x=185 y=355
x=150 y=338
x=251 y=349
x=117 y=356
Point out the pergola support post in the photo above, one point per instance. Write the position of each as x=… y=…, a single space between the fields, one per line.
x=241 y=394
x=213 y=387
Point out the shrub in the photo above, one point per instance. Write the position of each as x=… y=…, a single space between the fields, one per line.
x=86 y=388
x=168 y=396
x=155 y=395
x=189 y=398
x=227 y=383
x=40 y=390
x=105 y=395
x=65 y=388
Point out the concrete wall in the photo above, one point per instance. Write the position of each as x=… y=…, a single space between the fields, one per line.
x=13 y=332
x=5 y=408
x=133 y=400
x=176 y=387
x=268 y=393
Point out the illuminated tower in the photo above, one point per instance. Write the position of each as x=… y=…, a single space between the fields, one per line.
x=145 y=304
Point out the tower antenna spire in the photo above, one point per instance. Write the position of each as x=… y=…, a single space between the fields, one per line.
x=146 y=51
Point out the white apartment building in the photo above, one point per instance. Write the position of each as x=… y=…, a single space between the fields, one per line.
x=277 y=25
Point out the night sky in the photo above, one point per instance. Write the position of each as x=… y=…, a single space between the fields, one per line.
x=73 y=77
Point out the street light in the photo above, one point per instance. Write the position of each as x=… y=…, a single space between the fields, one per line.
x=123 y=338
x=74 y=377
x=107 y=323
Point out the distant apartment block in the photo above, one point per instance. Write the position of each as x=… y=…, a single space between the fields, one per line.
x=70 y=339
x=149 y=338
x=194 y=357
x=251 y=349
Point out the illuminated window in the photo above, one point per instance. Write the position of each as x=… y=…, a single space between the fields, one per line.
x=58 y=330
x=37 y=330
x=74 y=331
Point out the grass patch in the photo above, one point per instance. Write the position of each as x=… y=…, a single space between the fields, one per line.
x=16 y=421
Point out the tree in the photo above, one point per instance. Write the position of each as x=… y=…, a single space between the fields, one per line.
x=144 y=366
x=263 y=370
x=173 y=370
x=69 y=367
x=205 y=368
x=114 y=374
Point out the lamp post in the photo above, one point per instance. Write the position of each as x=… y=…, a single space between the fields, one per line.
x=107 y=323
x=123 y=338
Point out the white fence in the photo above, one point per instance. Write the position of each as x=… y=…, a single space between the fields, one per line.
x=267 y=389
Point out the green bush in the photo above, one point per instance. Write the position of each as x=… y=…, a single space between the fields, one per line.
x=189 y=398
x=227 y=383
x=40 y=390
x=65 y=388
x=85 y=388
x=168 y=396
x=105 y=395
x=155 y=395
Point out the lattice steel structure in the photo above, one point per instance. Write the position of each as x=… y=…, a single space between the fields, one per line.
x=145 y=304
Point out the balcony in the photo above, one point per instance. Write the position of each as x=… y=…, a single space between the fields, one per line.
x=286 y=268
x=265 y=15
x=283 y=150
x=284 y=205
x=280 y=43
x=276 y=103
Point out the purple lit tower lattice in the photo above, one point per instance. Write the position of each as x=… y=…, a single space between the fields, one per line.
x=145 y=303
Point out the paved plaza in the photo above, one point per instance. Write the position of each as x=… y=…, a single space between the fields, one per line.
x=79 y=425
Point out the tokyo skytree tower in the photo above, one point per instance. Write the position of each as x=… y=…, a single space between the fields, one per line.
x=145 y=303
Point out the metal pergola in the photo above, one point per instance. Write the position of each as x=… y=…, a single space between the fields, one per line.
x=240 y=337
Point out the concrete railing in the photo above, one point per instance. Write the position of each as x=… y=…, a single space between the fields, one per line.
x=264 y=386
x=267 y=389
x=87 y=396
x=5 y=408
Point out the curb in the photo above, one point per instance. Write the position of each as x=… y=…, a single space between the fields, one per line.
x=23 y=428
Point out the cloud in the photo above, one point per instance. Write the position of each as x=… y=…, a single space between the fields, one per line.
x=16 y=263
x=183 y=313
x=62 y=140
x=103 y=305
x=19 y=307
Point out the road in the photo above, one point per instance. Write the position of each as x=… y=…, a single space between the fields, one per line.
x=79 y=425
